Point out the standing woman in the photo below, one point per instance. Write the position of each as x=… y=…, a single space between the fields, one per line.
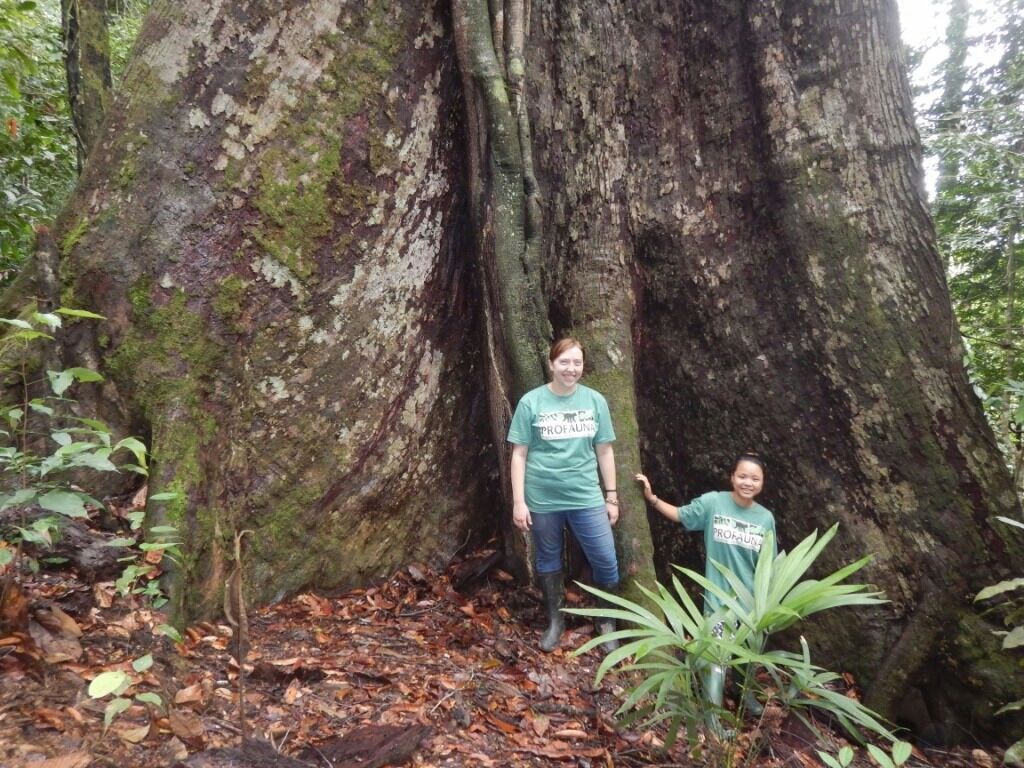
x=561 y=436
x=734 y=526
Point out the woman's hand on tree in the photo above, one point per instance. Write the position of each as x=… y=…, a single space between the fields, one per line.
x=521 y=516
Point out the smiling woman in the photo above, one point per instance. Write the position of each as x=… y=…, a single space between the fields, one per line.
x=735 y=529
x=561 y=436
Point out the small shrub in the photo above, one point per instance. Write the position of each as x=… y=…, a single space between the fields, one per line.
x=668 y=652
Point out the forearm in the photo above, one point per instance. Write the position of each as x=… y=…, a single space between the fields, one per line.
x=666 y=510
x=517 y=474
x=606 y=466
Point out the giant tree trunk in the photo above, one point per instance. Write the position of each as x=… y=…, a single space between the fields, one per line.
x=283 y=224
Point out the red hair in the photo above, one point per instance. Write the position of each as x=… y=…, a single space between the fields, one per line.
x=559 y=347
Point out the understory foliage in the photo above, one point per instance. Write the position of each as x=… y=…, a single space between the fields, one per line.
x=668 y=653
x=37 y=147
x=975 y=133
x=37 y=144
x=1010 y=603
x=46 y=449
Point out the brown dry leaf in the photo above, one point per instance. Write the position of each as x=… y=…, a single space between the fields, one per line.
x=981 y=758
x=13 y=608
x=68 y=624
x=103 y=593
x=293 y=692
x=570 y=733
x=77 y=759
x=501 y=725
x=139 y=499
x=174 y=750
x=186 y=725
x=55 y=647
x=190 y=694
x=50 y=717
x=540 y=724
x=154 y=556
x=134 y=735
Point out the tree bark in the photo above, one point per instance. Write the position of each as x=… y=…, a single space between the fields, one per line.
x=295 y=217
x=87 y=64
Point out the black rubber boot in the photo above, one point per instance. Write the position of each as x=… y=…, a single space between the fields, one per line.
x=603 y=626
x=553 y=589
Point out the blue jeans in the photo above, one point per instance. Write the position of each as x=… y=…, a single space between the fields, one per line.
x=592 y=531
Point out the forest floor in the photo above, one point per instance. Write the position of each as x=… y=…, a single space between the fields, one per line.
x=411 y=672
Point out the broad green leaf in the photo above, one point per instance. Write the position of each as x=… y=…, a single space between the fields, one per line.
x=36 y=536
x=901 y=752
x=828 y=760
x=78 y=313
x=97 y=460
x=107 y=683
x=169 y=631
x=84 y=374
x=6 y=556
x=38 y=407
x=1000 y=588
x=114 y=708
x=1015 y=639
x=65 y=502
x=136 y=446
x=120 y=541
x=96 y=424
x=166 y=496
x=880 y=757
x=1014 y=706
x=47 y=318
x=150 y=698
x=30 y=335
x=61 y=438
x=17 y=323
x=143 y=663
x=163 y=529
x=157 y=546
x=60 y=381
x=22 y=496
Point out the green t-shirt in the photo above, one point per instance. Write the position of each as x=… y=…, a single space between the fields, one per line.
x=560 y=432
x=732 y=537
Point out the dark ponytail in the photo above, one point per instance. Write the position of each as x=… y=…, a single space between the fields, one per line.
x=753 y=458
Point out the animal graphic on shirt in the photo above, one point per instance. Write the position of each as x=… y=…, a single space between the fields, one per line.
x=565 y=425
x=739 y=533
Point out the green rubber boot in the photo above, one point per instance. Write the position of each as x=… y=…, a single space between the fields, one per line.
x=603 y=626
x=751 y=705
x=714 y=693
x=553 y=589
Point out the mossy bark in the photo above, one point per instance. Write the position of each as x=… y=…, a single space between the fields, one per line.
x=503 y=211
x=305 y=320
x=290 y=314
